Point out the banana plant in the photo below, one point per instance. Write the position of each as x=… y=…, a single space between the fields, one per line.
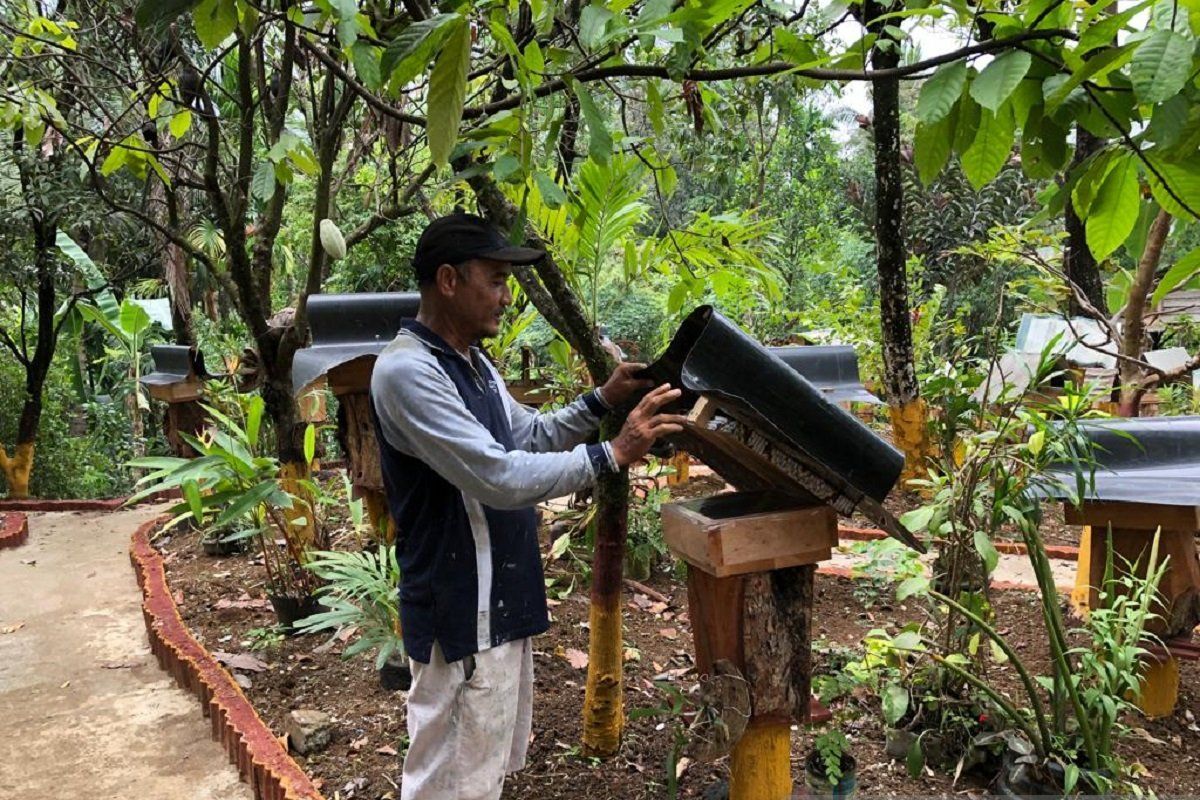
x=129 y=325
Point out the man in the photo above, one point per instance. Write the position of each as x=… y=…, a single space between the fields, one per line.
x=463 y=465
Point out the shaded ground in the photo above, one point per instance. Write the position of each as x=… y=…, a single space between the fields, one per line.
x=84 y=709
x=223 y=602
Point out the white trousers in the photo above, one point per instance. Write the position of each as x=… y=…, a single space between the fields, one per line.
x=468 y=723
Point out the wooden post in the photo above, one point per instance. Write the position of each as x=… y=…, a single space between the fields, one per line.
x=351 y=382
x=751 y=560
x=183 y=414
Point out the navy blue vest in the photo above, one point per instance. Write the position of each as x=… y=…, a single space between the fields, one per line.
x=441 y=557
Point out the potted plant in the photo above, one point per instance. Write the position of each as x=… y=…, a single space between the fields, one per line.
x=360 y=592
x=230 y=485
x=830 y=770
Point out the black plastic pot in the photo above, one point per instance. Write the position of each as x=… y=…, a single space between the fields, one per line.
x=215 y=547
x=290 y=609
x=819 y=786
x=395 y=675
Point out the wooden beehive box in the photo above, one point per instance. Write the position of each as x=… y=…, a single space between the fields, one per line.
x=742 y=532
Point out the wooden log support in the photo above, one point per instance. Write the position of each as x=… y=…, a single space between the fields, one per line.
x=680 y=463
x=751 y=560
x=186 y=416
x=1133 y=528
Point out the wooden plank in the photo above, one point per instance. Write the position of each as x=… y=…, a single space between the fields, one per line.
x=752 y=542
x=353 y=376
x=182 y=392
x=1140 y=516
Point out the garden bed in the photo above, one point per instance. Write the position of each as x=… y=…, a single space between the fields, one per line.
x=222 y=601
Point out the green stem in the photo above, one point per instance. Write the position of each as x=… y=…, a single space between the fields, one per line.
x=1018 y=665
x=1009 y=710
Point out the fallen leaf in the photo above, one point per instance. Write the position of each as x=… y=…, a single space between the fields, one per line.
x=243 y=680
x=16 y=626
x=668 y=633
x=358 y=744
x=29 y=562
x=245 y=601
x=120 y=664
x=657 y=608
x=178 y=597
x=240 y=661
x=681 y=766
x=65 y=685
x=576 y=658
x=386 y=750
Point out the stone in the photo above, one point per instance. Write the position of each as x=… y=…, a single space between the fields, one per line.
x=308 y=730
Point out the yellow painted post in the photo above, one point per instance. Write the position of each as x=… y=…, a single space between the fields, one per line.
x=680 y=462
x=376 y=510
x=1081 y=594
x=761 y=765
x=17 y=470
x=292 y=476
x=910 y=434
x=1160 y=686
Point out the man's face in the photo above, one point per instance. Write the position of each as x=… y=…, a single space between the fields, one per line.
x=480 y=295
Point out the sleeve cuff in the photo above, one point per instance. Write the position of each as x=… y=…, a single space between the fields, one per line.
x=600 y=456
x=595 y=403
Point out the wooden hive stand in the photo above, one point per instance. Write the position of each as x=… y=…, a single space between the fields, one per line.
x=1133 y=528
x=751 y=558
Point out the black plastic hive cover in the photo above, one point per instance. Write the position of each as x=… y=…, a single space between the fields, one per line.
x=843 y=462
x=347 y=326
x=174 y=363
x=1153 y=460
x=832 y=369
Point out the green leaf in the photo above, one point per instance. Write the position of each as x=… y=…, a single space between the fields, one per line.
x=987 y=551
x=931 y=148
x=600 y=143
x=1037 y=440
x=214 y=21
x=262 y=184
x=1180 y=273
x=133 y=319
x=181 y=123
x=895 y=703
x=1092 y=69
x=911 y=586
x=914 y=759
x=1161 y=65
x=1087 y=187
x=917 y=519
x=366 y=64
x=1180 y=195
x=254 y=415
x=116 y=159
x=1114 y=212
x=159 y=14
x=592 y=24
x=406 y=56
x=1104 y=32
x=310 y=443
x=245 y=503
x=191 y=493
x=991 y=148
x=560 y=546
x=941 y=92
x=552 y=194
x=1000 y=78
x=447 y=91
x=1169 y=121
x=506 y=165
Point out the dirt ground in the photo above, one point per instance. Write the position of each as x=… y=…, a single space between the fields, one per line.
x=222 y=600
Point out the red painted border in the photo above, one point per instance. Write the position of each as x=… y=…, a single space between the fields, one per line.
x=14 y=529
x=260 y=757
x=110 y=504
x=1059 y=551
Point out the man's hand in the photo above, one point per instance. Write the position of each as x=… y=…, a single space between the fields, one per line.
x=621 y=385
x=645 y=424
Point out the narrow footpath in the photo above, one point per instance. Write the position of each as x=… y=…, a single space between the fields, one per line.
x=84 y=709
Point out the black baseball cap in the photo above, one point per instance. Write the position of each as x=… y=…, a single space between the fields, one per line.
x=460 y=237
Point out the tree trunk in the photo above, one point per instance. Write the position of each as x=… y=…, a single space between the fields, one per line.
x=1078 y=261
x=909 y=413
x=1133 y=333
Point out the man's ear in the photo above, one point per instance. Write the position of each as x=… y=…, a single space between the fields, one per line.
x=447 y=279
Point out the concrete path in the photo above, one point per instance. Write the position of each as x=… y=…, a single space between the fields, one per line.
x=84 y=709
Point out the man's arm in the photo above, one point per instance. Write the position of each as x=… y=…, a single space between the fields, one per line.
x=421 y=413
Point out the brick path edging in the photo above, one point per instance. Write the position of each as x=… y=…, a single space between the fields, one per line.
x=14 y=529
x=261 y=759
x=108 y=504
